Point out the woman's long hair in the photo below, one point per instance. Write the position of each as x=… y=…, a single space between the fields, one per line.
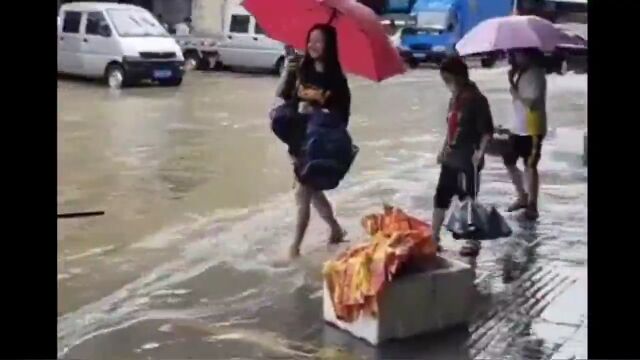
x=332 y=68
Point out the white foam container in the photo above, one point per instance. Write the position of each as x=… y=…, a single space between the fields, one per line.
x=415 y=304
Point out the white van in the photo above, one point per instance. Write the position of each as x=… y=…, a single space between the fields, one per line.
x=122 y=44
x=245 y=44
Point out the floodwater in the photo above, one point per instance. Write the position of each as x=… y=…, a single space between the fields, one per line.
x=199 y=208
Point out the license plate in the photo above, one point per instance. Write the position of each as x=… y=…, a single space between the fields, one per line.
x=161 y=74
x=419 y=56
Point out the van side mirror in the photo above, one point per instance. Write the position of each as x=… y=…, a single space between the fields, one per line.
x=104 y=30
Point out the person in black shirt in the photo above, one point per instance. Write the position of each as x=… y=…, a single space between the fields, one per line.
x=316 y=82
x=469 y=129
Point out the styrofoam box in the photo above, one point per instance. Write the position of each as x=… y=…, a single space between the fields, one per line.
x=415 y=304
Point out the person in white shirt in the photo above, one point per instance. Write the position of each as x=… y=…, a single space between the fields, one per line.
x=528 y=86
x=184 y=28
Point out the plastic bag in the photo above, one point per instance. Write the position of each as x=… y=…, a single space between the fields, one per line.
x=471 y=220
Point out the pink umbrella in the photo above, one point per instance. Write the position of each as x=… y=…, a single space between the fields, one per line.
x=363 y=46
x=513 y=32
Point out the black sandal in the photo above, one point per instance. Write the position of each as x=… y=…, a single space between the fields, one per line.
x=470 y=250
x=531 y=213
x=338 y=239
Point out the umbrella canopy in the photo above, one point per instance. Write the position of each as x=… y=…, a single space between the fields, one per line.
x=575 y=40
x=514 y=32
x=363 y=46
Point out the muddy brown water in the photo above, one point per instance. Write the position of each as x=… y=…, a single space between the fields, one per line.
x=197 y=194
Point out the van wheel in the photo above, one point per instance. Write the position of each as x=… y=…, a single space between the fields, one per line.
x=219 y=66
x=116 y=76
x=171 y=82
x=191 y=61
x=413 y=63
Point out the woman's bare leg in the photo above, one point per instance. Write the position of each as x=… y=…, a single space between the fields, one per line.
x=533 y=185
x=324 y=209
x=437 y=219
x=303 y=203
x=517 y=179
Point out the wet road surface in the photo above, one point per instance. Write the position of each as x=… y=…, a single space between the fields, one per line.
x=197 y=194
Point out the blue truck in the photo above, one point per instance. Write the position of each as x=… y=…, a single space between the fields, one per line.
x=437 y=25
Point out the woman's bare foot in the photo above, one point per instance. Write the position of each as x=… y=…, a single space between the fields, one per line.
x=439 y=247
x=520 y=203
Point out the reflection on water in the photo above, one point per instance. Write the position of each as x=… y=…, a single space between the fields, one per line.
x=197 y=195
x=520 y=252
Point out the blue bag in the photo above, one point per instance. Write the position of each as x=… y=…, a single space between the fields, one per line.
x=283 y=120
x=327 y=151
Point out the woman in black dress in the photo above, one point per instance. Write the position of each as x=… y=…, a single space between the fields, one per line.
x=315 y=83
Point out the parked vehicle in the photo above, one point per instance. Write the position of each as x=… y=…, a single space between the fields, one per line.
x=123 y=44
x=440 y=24
x=245 y=44
x=199 y=50
x=556 y=11
x=570 y=57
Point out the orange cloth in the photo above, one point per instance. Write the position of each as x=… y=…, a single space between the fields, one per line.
x=356 y=277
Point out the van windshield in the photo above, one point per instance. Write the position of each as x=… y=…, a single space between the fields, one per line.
x=433 y=20
x=129 y=23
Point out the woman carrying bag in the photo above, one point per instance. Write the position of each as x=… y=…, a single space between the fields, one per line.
x=469 y=130
x=316 y=84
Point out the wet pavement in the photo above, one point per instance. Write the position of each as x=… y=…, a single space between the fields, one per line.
x=197 y=194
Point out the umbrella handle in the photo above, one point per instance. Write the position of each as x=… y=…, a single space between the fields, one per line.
x=334 y=15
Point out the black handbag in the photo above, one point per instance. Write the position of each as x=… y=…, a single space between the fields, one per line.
x=470 y=220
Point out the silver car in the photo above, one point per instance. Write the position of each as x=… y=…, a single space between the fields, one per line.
x=245 y=45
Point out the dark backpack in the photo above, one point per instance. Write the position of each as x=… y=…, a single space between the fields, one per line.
x=288 y=125
x=327 y=151
x=282 y=120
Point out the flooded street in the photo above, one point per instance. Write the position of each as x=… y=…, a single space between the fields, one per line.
x=199 y=206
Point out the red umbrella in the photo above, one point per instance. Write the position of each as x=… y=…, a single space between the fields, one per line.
x=364 y=47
